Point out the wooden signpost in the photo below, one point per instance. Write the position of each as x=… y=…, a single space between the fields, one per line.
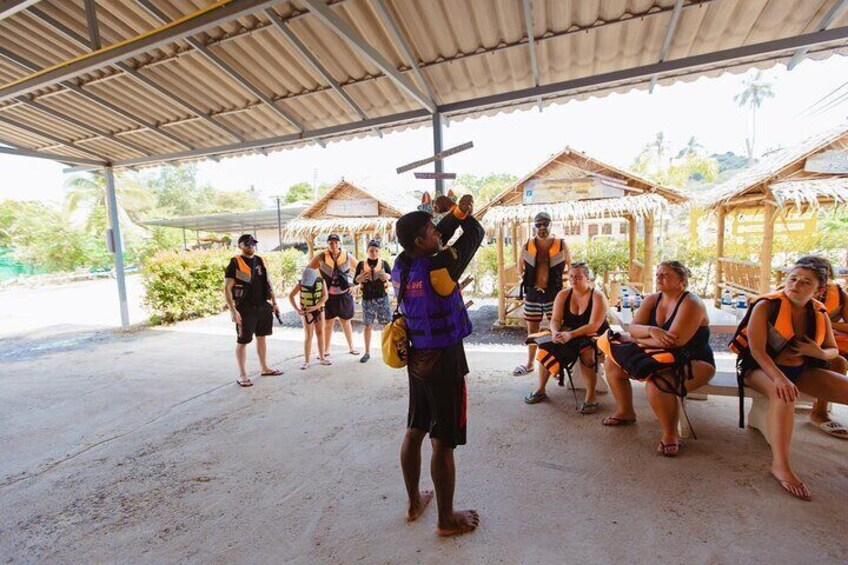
x=437 y=157
x=433 y=176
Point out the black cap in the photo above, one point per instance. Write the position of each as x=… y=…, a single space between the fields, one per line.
x=374 y=243
x=247 y=238
x=333 y=236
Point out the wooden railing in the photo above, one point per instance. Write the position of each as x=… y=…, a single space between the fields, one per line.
x=740 y=276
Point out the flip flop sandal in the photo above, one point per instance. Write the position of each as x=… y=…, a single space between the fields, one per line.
x=325 y=362
x=522 y=370
x=834 y=429
x=589 y=407
x=353 y=352
x=272 y=373
x=244 y=382
x=670 y=449
x=304 y=366
x=612 y=421
x=535 y=397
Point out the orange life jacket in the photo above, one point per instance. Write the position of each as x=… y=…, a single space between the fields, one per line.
x=780 y=329
x=336 y=272
x=243 y=273
x=556 y=265
x=833 y=299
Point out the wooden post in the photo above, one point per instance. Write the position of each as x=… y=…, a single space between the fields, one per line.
x=356 y=246
x=515 y=244
x=310 y=242
x=722 y=216
x=648 y=271
x=770 y=211
x=631 y=240
x=501 y=283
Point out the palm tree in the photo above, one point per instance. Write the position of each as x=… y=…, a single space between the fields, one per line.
x=88 y=192
x=756 y=91
x=692 y=147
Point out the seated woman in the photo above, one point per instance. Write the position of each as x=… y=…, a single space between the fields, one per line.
x=579 y=313
x=835 y=301
x=672 y=319
x=783 y=350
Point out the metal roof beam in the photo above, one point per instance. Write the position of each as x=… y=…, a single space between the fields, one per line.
x=316 y=65
x=20 y=152
x=669 y=34
x=338 y=25
x=88 y=44
x=202 y=20
x=83 y=126
x=69 y=144
x=637 y=74
x=226 y=68
x=823 y=24
x=403 y=45
x=527 y=8
x=9 y=8
x=93 y=27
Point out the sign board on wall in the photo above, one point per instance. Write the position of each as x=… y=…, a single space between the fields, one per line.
x=353 y=208
x=833 y=162
x=546 y=191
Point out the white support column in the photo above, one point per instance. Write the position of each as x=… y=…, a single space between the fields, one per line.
x=115 y=226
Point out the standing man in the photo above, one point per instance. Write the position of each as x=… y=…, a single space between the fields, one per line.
x=373 y=274
x=336 y=267
x=250 y=298
x=426 y=276
x=543 y=261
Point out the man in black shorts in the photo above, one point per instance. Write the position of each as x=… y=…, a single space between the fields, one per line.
x=426 y=279
x=250 y=298
x=337 y=268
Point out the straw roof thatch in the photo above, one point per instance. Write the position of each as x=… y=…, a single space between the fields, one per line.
x=642 y=196
x=781 y=177
x=315 y=220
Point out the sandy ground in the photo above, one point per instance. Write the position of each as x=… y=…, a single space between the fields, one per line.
x=140 y=448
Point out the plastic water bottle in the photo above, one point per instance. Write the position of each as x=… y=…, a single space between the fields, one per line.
x=741 y=305
x=637 y=300
x=625 y=300
x=727 y=298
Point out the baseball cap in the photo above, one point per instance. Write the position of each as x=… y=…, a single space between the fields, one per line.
x=542 y=217
x=333 y=236
x=247 y=238
x=374 y=243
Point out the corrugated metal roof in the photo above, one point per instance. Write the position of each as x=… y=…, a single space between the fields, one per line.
x=234 y=221
x=242 y=80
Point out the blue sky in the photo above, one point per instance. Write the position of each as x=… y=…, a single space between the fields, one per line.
x=613 y=128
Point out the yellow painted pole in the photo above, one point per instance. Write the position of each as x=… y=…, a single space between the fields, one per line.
x=770 y=211
x=722 y=215
x=501 y=282
x=648 y=272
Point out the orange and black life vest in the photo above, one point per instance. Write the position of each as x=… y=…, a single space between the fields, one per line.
x=780 y=332
x=833 y=298
x=336 y=272
x=244 y=276
x=556 y=258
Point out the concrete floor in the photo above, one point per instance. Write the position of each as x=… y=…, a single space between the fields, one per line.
x=140 y=448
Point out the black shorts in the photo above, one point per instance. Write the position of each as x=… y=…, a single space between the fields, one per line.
x=258 y=320
x=339 y=306
x=438 y=398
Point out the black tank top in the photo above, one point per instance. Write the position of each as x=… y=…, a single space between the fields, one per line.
x=573 y=321
x=699 y=346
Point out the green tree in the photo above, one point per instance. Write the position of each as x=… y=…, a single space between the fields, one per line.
x=235 y=201
x=689 y=165
x=483 y=188
x=178 y=192
x=298 y=192
x=86 y=193
x=756 y=90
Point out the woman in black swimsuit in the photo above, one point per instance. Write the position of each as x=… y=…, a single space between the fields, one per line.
x=579 y=313
x=670 y=318
x=797 y=367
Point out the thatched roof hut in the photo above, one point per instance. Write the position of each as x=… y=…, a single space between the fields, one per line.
x=573 y=187
x=806 y=176
x=350 y=209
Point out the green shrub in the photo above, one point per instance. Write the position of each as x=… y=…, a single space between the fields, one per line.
x=186 y=285
x=603 y=254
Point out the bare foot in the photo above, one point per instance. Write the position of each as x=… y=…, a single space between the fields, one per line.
x=416 y=507
x=791 y=483
x=462 y=522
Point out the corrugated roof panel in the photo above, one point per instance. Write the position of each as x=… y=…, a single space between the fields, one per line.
x=147 y=138
x=198 y=133
x=198 y=83
x=35 y=118
x=108 y=147
x=74 y=105
x=27 y=36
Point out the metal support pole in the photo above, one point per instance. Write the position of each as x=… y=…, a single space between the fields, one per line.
x=185 y=241
x=437 y=148
x=115 y=225
x=279 y=223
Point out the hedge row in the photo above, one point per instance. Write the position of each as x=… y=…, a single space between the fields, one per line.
x=185 y=285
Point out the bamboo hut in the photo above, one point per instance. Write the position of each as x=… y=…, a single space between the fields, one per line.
x=349 y=210
x=573 y=188
x=792 y=181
